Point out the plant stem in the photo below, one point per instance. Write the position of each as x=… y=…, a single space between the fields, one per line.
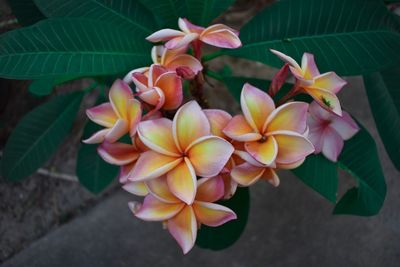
x=212 y=56
x=196 y=85
x=90 y=87
x=197 y=49
x=294 y=91
x=196 y=90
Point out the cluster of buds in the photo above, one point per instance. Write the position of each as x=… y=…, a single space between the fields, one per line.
x=183 y=166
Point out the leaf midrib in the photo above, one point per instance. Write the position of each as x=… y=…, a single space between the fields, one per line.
x=124 y=17
x=74 y=52
x=64 y=112
x=391 y=98
x=318 y=36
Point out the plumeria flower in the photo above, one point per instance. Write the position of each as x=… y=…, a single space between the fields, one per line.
x=218 y=120
x=120 y=116
x=182 y=219
x=125 y=156
x=185 y=65
x=176 y=60
x=218 y=35
x=272 y=136
x=182 y=149
x=249 y=171
x=327 y=131
x=321 y=87
x=160 y=88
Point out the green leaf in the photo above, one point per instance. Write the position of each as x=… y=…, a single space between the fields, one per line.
x=339 y=33
x=320 y=174
x=37 y=136
x=26 y=11
x=221 y=237
x=200 y=12
x=396 y=22
x=360 y=158
x=93 y=172
x=383 y=91
x=43 y=87
x=72 y=47
x=124 y=14
x=166 y=12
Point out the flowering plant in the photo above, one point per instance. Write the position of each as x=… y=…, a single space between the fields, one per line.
x=191 y=163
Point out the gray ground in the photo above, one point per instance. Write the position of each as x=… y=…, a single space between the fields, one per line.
x=51 y=222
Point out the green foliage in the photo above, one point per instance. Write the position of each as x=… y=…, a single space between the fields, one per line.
x=26 y=11
x=37 y=136
x=43 y=87
x=383 y=91
x=360 y=158
x=70 y=46
x=339 y=33
x=93 y=172
x=200 y=12
x=221 y=237
x=124 y=14
x=166 y=12
x=320 y=174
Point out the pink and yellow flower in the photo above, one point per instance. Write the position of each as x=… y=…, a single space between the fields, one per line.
x=182 y=149
x=321 y=87
x=272 y=137
x=327 y=131
x=182 y=219
x=120 y=116
x=125 y=156
x=185 y=65
x=218 y=35
x=218 y=120
x=160 y=88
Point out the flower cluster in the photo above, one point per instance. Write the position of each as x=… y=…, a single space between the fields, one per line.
x=183 y=159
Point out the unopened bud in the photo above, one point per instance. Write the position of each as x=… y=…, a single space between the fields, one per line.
x=185 y=72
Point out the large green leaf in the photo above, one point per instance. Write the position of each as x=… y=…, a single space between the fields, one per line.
x=320 y=174
x=93 y=172
x=70 y=46
x=37 y=136
x=396 y=22
x=43 y=87
x=348 y=37
x=166 y=12
x=200 y=12
x=125 y=14
x=360 y=158
x=383 y=91
x=221 y=237
x=26 y=11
